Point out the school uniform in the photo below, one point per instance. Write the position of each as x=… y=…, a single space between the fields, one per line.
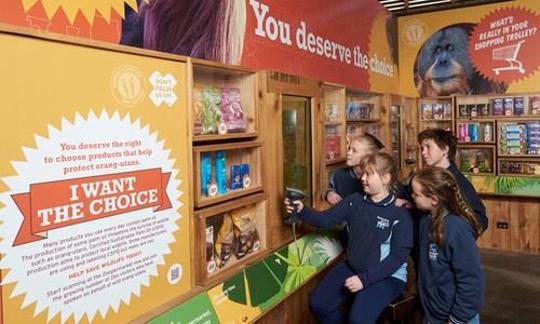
x=345 y=182
x=377 y=251
x=450 y=278
x=467 y=190
x=470 y=195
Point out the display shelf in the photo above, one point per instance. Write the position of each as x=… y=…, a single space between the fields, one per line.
x=519 y=167
x=519 y=137
x=234 y=234
x=476 y=132
x=362 y=106
x=436 y=112
x=476 y=159
x=395 y=133
x=224 y=102
x=522 y=105
x=363 y=114
x=335 y=146
x=220 y=171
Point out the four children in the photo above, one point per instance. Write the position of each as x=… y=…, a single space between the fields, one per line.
x=450 y=280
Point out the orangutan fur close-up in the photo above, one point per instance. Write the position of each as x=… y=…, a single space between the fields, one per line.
x=443 y=66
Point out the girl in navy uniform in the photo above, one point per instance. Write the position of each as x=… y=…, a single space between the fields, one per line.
x=450 y=278
x=346 y=181
x=375 y=270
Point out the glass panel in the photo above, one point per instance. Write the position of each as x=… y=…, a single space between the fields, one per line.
x=297 y=144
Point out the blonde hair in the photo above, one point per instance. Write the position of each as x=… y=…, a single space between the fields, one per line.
x=369 y=141
x=439 y=183
x=382 y=163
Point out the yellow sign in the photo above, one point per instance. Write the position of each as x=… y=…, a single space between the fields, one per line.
x=447 y=32
x=94 y=197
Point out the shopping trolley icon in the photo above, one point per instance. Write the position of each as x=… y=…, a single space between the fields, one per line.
x=508 y=54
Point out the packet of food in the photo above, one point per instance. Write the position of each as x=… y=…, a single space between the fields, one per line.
x=197 y=110
x=211 y=115
x=224 y=241
x=245 y=231
x=232 y=114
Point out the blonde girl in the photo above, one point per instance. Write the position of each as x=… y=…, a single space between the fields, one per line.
x=375 y=270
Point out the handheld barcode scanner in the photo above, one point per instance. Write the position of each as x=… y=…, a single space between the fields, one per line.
x=293 y=194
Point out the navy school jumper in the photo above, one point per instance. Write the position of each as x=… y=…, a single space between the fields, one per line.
x=380 y=235
x=450 y=278
x=467 y=190
x=345 y=182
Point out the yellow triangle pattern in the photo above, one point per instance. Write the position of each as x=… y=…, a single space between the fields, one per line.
x=88 y=8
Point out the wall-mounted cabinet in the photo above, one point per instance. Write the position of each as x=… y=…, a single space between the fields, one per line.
x=519 y=167
x=228 y=236
x=226 y=171
x=224 y=102
x=477 y=159
x=436 y=112
x=476 y=132
x=519 y=138
x=363 y=114
x=335 y=141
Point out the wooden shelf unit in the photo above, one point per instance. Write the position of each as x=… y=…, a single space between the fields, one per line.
x=208 y=222
x=236 y=153
x=480 y=158
x=363 y=114
x=436 y=112
x=218 y=92
x=335 y=141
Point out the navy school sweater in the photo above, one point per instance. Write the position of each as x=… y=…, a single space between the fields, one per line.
x=467 y=190
x=380 y=235
x=345 y=182
x=450 y=278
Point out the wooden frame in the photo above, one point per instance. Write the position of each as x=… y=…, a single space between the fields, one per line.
x=536 y=164
x=428 y=110
x=243 y=152
x=506 y=121
x=216 y=75
x=202 y=275
x=334 y=96
x=483 y=132
x=491 y=158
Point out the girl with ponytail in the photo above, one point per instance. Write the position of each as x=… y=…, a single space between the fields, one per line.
x=450 y=278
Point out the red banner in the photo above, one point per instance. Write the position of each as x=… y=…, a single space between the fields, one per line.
x=52 y=205
x=312 y=38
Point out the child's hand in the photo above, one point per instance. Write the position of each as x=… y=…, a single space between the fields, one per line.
x=354 y=284
x=290 y=207
x=400 y=202
x=333 y=197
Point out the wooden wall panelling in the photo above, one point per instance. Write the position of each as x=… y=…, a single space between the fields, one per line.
x=523 y=218
x=273 y=85
x=524 y=225
x=270 y=132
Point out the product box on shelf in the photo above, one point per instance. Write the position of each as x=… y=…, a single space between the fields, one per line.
x=224 y=101
x=232 y=232
x=226 y=171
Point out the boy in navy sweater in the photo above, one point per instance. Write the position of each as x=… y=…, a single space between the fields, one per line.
x=375 y=270
x=450 y=278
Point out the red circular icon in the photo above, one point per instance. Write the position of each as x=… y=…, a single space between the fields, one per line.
x=505 y=44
